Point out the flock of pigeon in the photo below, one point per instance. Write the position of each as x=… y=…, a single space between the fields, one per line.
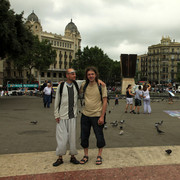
x=121 y=122
x=121 y=132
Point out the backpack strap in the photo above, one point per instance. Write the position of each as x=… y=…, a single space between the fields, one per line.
x=84 y=88
x=76 y=85
x=100 y=91
x=99 y=87
x=60 y=92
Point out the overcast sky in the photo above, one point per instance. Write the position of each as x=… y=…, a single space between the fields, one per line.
x=116 y=26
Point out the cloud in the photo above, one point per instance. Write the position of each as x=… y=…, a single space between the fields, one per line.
x=113 y=25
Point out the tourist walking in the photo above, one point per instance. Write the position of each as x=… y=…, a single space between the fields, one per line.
x=138 y=96
x=146 y=98
x=170 y=95
x=47 y=95
x=116 y=100
x=129 y=98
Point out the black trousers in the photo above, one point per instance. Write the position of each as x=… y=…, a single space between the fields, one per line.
x=86 y=123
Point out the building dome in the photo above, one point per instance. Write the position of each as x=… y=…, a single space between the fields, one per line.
x=33 y=17
x=71 y=27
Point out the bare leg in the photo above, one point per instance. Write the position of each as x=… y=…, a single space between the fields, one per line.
x=127 y=105
x=85 y=158
x=130 y=107
x=99 y=159
x=138 y=107
x=100 y=151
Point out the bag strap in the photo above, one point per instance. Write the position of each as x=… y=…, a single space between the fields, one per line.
x=76 y=85
x=99 y=87
x=60 y=92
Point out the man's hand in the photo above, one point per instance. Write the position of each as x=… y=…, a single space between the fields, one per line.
x=101 y=121
x=57 y=120
x=101 y=82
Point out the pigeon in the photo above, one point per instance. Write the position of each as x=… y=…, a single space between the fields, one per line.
x=121 y=132
x=33 y=122
x=159 y=131
x=115 y=123
x=168 y=151
x=122 y=121
x=105 y=126
x=109 y=111
x=159 y=123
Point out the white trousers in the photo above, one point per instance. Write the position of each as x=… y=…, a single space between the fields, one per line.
x=147 y=106
x=66 y=132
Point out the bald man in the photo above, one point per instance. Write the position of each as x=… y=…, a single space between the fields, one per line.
x=65 y=112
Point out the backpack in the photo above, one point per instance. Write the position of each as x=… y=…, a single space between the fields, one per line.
x=61 y=90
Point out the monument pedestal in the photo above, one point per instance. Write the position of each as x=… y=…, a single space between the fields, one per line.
x=125 y=83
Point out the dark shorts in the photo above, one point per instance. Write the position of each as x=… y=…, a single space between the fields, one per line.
x=137 y=102
x=86 y=123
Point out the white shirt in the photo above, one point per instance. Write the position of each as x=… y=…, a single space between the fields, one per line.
x=47 y=90
x=64 y=107
x=146 y=94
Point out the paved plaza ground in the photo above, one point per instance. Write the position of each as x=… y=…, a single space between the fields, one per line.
x=140 y=145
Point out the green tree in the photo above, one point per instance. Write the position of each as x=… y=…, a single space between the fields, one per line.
x=39 y=55
x=14 y=36
x=115 y=73
x=93 y=56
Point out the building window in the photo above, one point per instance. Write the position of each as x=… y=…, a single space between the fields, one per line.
x=60 y=43
x=60 y=75
x=48 y=74
x=54 y=43
x=57 y=43
x=70 y=45
x=54 y=74
x=42 y=74
x=63 y=44
x=14 y=73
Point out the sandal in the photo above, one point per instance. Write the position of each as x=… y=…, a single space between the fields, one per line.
x=84 y=160
x=58 y=162
x=99 y=160
x=74 y=160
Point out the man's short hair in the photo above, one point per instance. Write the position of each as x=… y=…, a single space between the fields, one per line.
x=67 y=71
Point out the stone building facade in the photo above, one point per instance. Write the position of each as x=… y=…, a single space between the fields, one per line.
x=161 y=61
x=65 y=45
x=142 y=67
